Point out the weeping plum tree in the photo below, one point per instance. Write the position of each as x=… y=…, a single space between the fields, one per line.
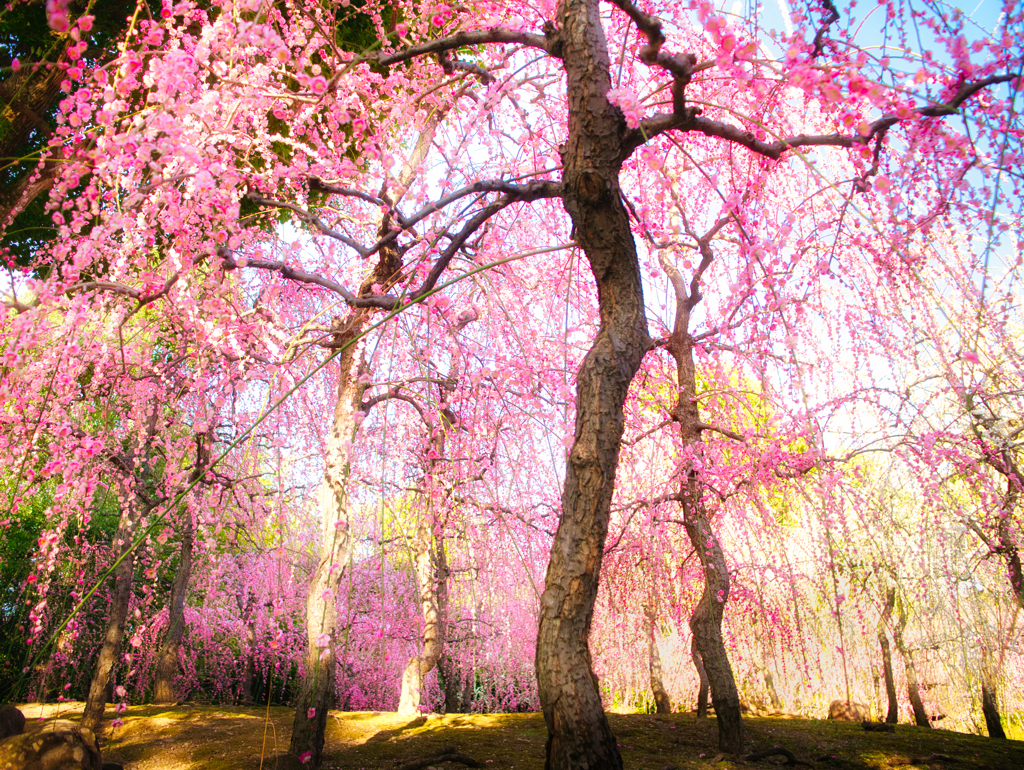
x=219 y=116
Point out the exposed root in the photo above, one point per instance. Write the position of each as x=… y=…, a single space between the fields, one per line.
x=878 y=727
x=791 y=760
x=418 y=764
x=926 y=760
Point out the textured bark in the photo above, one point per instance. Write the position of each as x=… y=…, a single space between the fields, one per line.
x=662 y=702
x=433 y=623
x=893 y=714
x=167 y=658
x=317 y=693
x=99 y=690
x=578 y=731
x=990 y=708
x=703 y=688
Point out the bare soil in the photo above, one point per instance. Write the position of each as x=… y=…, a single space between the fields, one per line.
x=189 y=737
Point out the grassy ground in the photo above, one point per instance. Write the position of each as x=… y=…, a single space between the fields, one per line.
x=190 y=737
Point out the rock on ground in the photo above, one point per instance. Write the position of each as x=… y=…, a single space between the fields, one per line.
x=61 y=745
x=851 y=711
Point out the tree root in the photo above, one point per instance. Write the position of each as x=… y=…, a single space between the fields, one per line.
x=878 y=727
x=418 y=764
x=791 y=760
x=926 y=760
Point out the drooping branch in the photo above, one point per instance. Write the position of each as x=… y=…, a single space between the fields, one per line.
x=309 y=218
x=692 y=122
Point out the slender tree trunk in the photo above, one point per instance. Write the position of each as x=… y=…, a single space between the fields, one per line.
x=579 y=736
x=704 y=687
x=706 y=621
x=893 y=714
x=913 y=683
x=662 y=702
x=245 y=602
x=448 y=672
x=433 y=623
x=773 y=696
x=167 y=658
x=99 y=689
x=706 y=624
x=317 y=692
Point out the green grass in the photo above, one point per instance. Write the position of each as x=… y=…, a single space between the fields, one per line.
x=229 y=738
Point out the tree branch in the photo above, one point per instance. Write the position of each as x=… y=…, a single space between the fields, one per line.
x=461 y=39
x=774 y=150
x=309 y=218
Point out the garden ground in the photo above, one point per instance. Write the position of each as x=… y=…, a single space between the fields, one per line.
x=189 y=737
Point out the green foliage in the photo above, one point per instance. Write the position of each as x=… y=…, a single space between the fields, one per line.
x=17 y=544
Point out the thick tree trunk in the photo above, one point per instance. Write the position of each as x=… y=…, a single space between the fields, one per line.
x=99 y=688
x=578 y=733
x=167 y=658
x=893 y=714
x=433 y=623
x=317 y=692
x=703 y=687
x=990 y=708
x=662 y=702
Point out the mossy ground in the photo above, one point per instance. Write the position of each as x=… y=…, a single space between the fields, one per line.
x=189 y=737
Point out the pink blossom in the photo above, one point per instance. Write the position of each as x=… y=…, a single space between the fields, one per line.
x=311 y=713
x=970 y=357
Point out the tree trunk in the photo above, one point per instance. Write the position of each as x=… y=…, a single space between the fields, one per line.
x=990 y=708
x=245 y=601
x=448 y=673
x=702 y=675
x=662 y=703
x=578 y=733
x=317 y=692
x=773 y=696
x=913 y=683
x=706 y=625
x=433 y=623
x=893 y=714
x=99 y=689
x=706 y=621
x=167 y=658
